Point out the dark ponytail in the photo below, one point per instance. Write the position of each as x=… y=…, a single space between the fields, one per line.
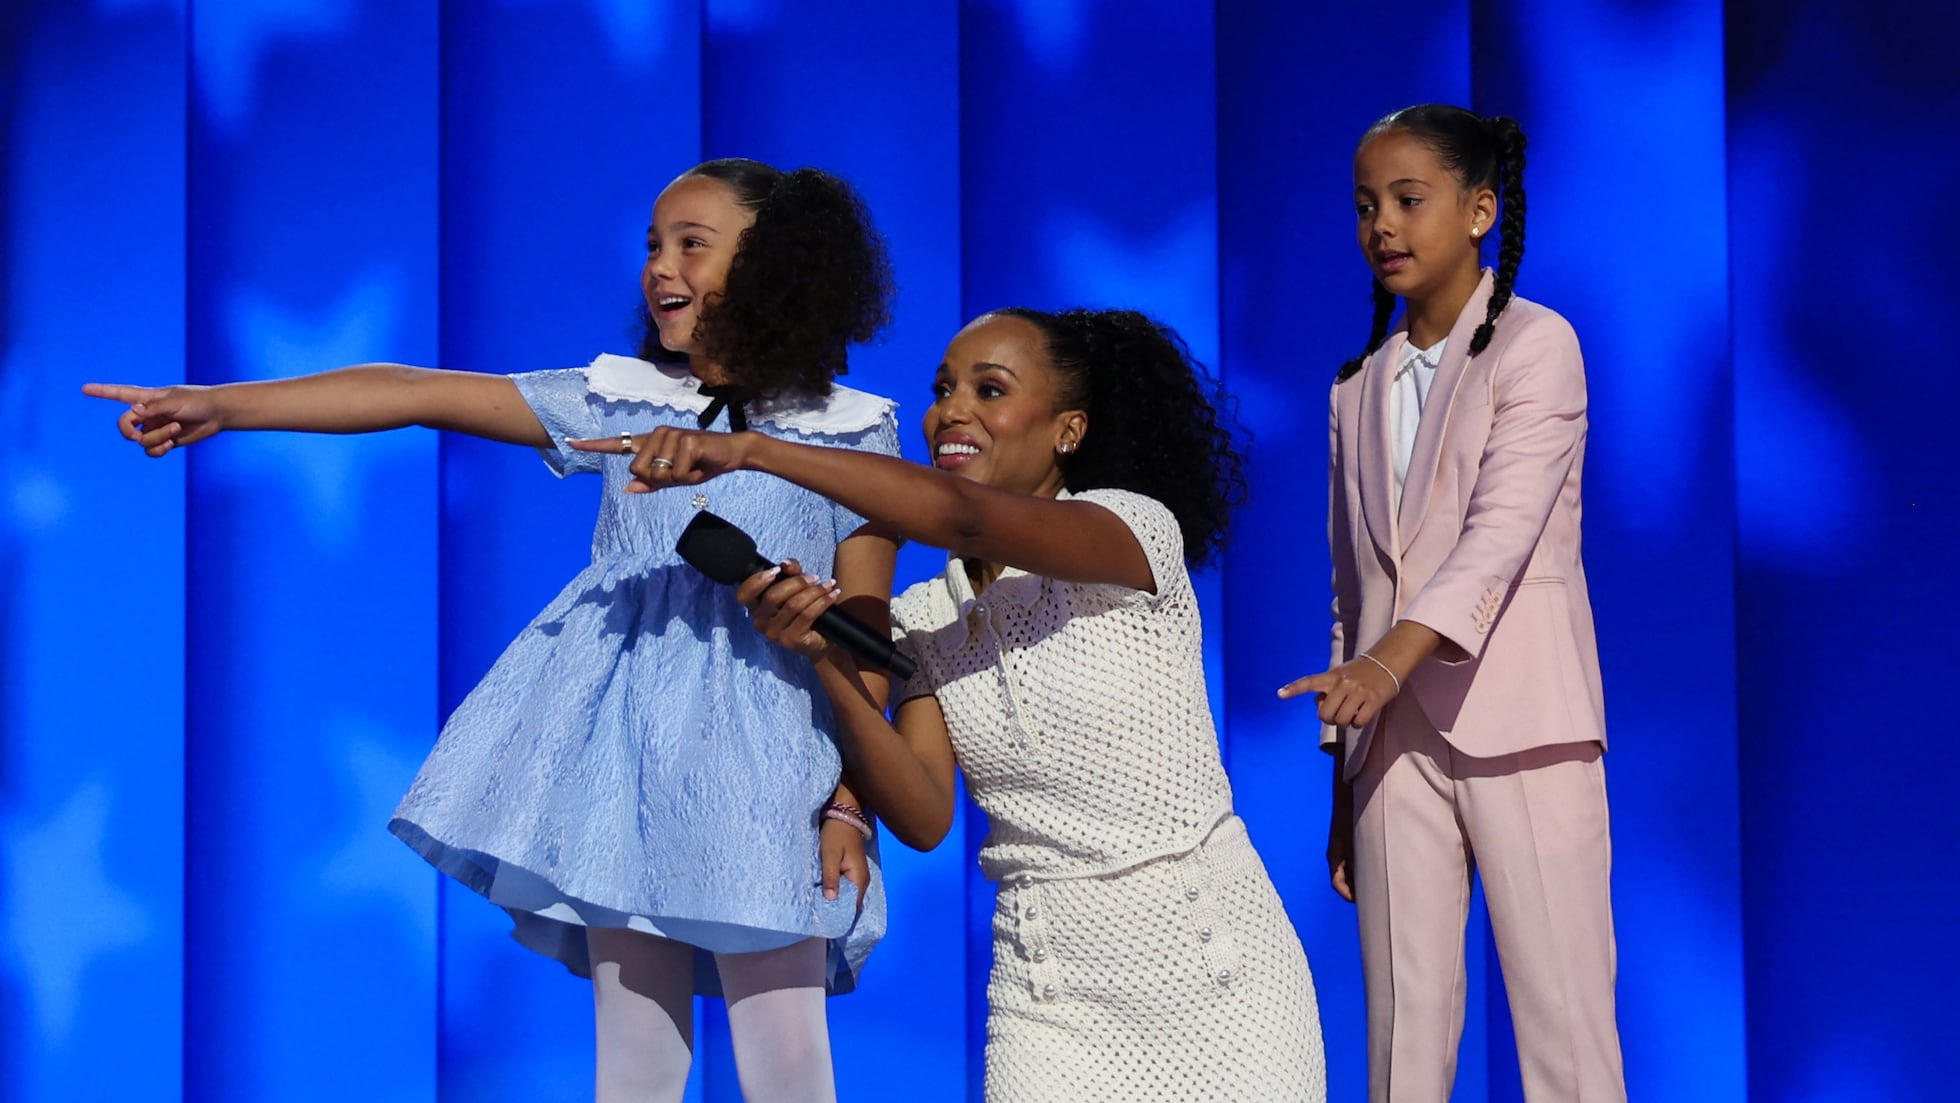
x=809 y=279
x=1481 y=153
x=1158 y=423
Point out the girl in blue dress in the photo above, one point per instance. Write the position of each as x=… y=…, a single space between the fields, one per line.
x=647 y=786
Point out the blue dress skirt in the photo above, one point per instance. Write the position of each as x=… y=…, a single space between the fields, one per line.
x=639 y=756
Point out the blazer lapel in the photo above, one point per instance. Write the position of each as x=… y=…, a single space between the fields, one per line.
x=1436 y=415
x=1375 y=448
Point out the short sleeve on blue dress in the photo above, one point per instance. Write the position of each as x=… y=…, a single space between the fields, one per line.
x=563 y=401
x=882 y=439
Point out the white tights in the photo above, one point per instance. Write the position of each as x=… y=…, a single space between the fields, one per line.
x=643 y=1000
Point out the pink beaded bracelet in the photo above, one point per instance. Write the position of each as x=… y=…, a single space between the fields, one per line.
x=851 y=814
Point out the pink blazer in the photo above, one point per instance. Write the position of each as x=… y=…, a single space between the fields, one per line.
x=1485 y=546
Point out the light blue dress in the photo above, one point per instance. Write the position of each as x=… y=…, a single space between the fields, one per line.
x=640 y=756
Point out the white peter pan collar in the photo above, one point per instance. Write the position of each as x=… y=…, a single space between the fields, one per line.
x=629 y=380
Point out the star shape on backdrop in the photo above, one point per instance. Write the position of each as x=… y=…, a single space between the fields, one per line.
x=62 y=912
x=231 y=44
x=1789 y=423
x=358 y=859
x=273 y=341
x=1054 y=33
x=633 y=28
x=1152 y=273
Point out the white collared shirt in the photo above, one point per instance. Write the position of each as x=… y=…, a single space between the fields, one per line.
x=1414 y=373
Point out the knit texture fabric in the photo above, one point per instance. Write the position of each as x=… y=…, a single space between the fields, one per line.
x=1140 y=950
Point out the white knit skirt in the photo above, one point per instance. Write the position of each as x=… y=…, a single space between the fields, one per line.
x=1181 y=979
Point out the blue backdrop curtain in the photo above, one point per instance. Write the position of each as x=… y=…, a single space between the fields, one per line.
x=219 y=671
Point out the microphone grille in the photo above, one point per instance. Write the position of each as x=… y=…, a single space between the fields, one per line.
x=718 y=549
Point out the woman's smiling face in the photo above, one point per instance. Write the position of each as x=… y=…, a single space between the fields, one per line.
x=993 y=418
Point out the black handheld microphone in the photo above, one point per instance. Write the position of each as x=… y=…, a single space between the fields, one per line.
x=726 y=554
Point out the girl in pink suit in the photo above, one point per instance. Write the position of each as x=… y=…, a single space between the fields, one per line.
x=1463 y=702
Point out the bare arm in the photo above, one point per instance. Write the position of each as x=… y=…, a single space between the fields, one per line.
x=864 y=578
x=1340 y=835
x=865 y=563
x=904 y=770
x=361 y=399
x=1071 y=541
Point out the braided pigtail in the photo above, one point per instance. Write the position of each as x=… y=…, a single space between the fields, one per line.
x=1509 y=139
x=1384 y=310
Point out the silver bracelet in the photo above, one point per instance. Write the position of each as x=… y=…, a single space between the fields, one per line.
x=1385 y=670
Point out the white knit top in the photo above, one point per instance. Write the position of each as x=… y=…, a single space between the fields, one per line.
x=1078 y=712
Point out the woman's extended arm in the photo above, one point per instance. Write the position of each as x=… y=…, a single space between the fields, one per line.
x=1067 y=540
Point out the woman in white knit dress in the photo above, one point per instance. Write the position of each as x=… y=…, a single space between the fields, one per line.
x=1140 y=950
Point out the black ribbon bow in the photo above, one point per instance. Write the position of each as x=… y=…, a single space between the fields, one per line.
x=726 y=396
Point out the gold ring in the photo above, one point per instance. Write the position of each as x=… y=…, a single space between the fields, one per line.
x=660 y=461
x=626 y=444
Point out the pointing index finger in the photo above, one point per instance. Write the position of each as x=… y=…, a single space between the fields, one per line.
x=624 y=444
x=117 y=392
x=1316 y=683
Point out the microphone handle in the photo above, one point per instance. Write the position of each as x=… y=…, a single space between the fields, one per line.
x=855 y=636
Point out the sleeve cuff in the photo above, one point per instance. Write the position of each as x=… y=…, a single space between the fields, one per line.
x=1464 y=624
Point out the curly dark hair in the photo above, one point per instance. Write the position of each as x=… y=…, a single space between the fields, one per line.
x=1159 y=424
x=1481 y=153
x=809 y=279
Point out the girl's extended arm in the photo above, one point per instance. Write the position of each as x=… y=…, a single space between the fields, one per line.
x=360 y=399
x=1071 y=541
